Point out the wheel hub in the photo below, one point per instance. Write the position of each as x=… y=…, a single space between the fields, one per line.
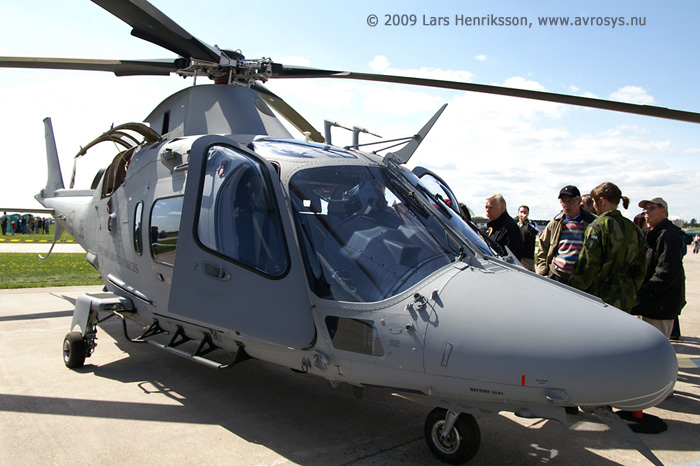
x=66 y=351
x=447 y=443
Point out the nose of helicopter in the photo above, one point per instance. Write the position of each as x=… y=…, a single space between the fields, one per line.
x=513 y=336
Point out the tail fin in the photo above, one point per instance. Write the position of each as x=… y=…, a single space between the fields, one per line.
x=54 y=180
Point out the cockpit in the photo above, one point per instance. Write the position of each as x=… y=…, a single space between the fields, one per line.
x=366 y=236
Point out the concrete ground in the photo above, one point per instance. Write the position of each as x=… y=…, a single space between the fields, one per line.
x=135 y=404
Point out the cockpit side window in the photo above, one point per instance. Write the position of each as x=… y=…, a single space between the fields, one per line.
x=238 y=215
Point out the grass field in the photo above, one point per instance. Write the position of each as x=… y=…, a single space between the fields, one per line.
x=18 y=270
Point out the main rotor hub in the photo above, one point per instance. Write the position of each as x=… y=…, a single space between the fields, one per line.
x=233 y=69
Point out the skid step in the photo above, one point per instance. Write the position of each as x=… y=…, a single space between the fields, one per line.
x=206 y=346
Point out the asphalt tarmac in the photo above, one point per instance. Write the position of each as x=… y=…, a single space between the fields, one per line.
x=135 y=404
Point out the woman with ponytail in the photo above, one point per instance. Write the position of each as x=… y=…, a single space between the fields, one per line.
x=612 y=263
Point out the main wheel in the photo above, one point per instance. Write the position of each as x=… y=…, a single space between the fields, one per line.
x=460 y=444
x=74 y=350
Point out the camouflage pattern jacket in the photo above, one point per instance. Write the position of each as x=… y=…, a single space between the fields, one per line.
x=612 y=264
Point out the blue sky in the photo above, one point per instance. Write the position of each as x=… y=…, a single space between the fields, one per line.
x=482 y=144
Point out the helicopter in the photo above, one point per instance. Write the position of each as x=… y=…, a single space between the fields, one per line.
x=225 y=239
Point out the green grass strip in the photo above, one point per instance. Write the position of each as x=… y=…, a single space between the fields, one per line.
x=24 y=270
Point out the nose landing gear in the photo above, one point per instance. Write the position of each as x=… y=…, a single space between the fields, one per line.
x=454 y=438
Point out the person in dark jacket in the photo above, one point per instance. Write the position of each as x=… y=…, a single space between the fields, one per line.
x=501 y=227
x=587 y=204
x=529 y=232
x=662 y=295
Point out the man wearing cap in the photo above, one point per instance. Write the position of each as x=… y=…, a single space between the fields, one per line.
x=662 y=295
x=562 y=239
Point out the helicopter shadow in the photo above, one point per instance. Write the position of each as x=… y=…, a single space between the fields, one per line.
x=299 y=416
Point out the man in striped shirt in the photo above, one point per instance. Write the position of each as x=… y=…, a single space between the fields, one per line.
x=561 y=241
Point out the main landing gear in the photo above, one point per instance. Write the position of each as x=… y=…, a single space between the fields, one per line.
x=454 y=438
x=78 y=345
x=74 y=350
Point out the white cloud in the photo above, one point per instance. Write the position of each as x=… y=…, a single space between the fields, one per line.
x=480 y=57
x=379 y=64
x=633 y=95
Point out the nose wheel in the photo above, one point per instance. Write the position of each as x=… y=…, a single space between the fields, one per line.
x=74 y=350
x=452 y=438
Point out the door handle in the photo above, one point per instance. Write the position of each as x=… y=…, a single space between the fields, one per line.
x=215 y=271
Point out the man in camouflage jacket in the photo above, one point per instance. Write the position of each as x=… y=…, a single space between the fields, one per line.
x=612 y=263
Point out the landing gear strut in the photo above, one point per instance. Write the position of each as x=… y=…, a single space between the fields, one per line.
x=454 y=438
x=80 y=345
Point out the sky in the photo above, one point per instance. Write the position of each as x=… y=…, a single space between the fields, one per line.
x=482 y=144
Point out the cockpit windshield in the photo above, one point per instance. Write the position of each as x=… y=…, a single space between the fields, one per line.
x=365 y=237
x=441 y=200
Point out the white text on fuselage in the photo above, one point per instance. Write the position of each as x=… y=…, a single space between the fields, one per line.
x=117 y=259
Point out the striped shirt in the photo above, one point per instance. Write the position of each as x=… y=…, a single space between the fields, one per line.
x=570 y=245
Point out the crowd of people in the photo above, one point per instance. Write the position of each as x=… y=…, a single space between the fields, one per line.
x=635 y=266
x=24 y=224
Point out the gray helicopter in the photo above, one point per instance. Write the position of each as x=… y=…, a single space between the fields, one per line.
x=226 y=239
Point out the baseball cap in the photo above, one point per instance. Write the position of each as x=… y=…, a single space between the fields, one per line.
x=654 y=200
x=571 y=191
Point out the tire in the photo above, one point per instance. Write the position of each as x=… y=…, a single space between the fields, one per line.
x=460 y=445
x=74 y=350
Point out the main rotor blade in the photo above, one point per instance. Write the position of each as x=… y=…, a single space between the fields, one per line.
x=152 y=25
x=291 y=115
x=282 y=71
x=118 y=67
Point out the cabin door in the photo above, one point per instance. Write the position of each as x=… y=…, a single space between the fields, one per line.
x=237 y=266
